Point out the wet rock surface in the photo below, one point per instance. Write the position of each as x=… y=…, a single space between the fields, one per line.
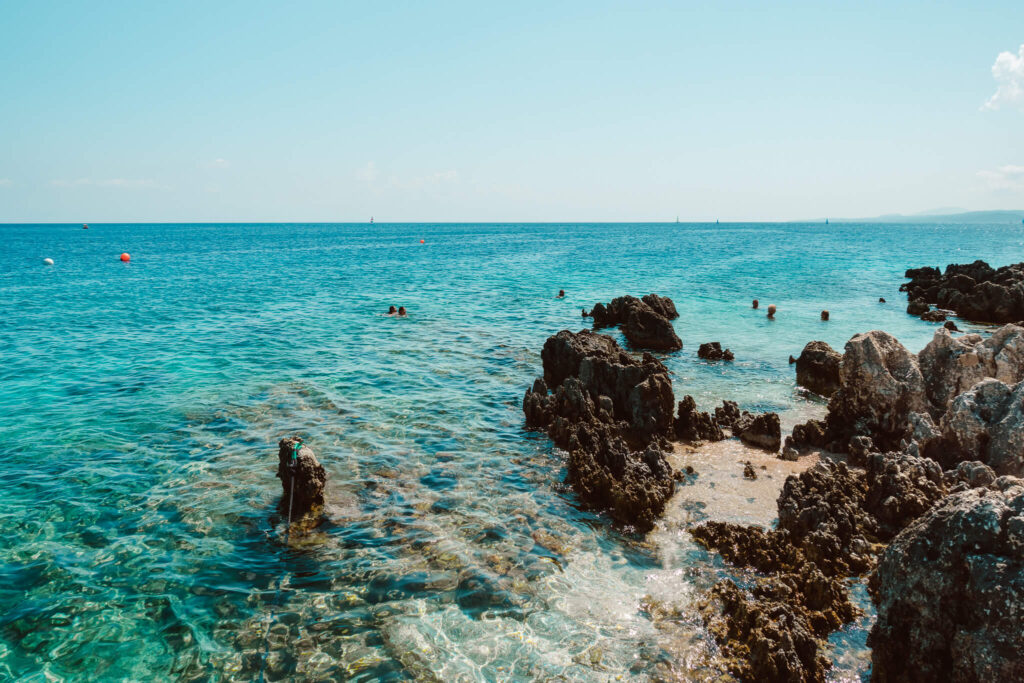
x=714 y=351
x=950 y=591
x=303 y=479
x=762 y=430
x=613 y=414
x=817 y=368
x=646 y=323
x=974 y=290
x=693 y=425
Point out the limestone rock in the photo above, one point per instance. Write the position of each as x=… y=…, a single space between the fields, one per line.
x=950 y=591
x=297 y=464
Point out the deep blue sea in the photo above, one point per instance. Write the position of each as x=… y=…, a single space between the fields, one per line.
x=141 y=404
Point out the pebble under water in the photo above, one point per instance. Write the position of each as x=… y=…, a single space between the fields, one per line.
x=142 y=403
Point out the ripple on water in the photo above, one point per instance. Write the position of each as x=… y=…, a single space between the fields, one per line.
x=142 y=405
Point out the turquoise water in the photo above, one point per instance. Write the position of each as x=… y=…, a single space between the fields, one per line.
x=141 y=405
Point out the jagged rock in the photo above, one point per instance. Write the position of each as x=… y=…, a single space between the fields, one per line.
x=951 y=366
x=763 y=431
x=817 y=368
x=859 y=449
x=880 y=386
x=810 y=434
x=975 y=290
x=771 y=636
x=613 y=413
x=789 y=453
x=713 y=351
x=933 y=316
x=968 y=475
x=645 y=323
x=986 y=424
x=662 y=305
x=303 y=479
x=692 y=425
x=951 y=326
x=901 y=488
x=727 y=414
x=917 y=308
x=950 y=591
x=748 y=471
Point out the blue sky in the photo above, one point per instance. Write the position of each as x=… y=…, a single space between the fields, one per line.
x=469 y=111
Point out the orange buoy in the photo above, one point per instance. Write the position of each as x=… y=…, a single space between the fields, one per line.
x=125 y=257
x=423 y=241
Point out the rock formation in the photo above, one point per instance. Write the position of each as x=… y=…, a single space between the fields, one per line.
x=762 y=430
x=950 y=591
x=986 y=424
x=714 y=351
x=817 y=368
x=881 y=387
x=298 y=464
x=613 y=414
x=952 y=365
x=646 y=323
x=974 y=290
x=692 y=425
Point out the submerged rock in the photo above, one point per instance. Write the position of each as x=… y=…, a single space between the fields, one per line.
x=714 y=351
x=817 y=368
x=950 y=591
x=298 y=464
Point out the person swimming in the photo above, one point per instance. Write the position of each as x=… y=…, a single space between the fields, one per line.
x=392 y=310
x=401 y=312
x=561 y=294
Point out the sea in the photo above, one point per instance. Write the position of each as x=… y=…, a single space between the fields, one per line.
x=141 y=404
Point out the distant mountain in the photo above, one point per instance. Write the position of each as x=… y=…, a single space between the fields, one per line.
x=963 y=218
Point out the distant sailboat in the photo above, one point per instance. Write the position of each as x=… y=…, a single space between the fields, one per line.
x=677 y=219
x=85 y=226
x=371 y=220
x=826 y=221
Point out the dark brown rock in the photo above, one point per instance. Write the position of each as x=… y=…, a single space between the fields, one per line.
x=976 y=291
x=693 y=425
x=714 y=351
x=817 y=368
x=303 y=479
x=763 y=431
x=727 y=414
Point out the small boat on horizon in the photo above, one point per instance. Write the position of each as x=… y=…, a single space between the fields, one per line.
x=85 y=226
x=371 y=220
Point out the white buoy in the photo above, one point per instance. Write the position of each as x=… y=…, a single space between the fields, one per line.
x=48 y=261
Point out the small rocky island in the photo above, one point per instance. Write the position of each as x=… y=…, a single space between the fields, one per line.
x=975 y=291
x=918 y=489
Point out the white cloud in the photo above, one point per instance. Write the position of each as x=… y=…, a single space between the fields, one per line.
x=1008 y=71
x=1004 y=178
x=368 y=173
x=121 y=183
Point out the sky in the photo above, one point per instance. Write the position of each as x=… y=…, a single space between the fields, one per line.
x=525 y=111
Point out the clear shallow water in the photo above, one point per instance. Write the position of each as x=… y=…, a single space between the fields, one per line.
x=141 y=404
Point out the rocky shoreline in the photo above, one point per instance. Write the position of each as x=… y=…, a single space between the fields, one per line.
x=923 y=495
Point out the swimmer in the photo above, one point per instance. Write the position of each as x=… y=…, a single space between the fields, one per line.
x=401 y=312
x=392 y=311
x=756 y=304
x=561 y=294
x=771 y=311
